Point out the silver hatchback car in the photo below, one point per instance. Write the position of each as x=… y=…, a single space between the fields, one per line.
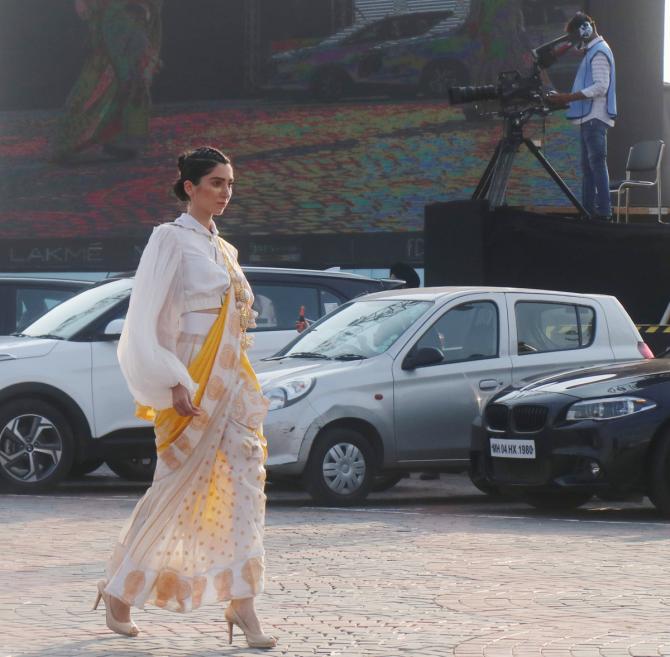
x=391 y=382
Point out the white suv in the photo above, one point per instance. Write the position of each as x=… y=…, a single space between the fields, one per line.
x=64 y=405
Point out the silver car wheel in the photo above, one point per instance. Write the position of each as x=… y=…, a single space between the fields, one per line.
x=31 y=447
x=344 y=468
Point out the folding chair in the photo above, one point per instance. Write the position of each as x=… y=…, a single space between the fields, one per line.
x=643 y=156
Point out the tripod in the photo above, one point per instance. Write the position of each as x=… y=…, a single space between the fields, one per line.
x=493 y=184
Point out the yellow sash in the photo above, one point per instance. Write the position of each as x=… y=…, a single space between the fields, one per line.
x=169 y=424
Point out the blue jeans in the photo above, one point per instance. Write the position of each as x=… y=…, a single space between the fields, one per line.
x=595 y=177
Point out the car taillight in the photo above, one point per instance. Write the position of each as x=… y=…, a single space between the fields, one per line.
x=643 y=348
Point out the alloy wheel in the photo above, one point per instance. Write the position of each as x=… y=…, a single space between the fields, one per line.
x=31 y=448
x=344 y=468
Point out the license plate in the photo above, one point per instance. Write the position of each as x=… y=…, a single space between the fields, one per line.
x=507 y=448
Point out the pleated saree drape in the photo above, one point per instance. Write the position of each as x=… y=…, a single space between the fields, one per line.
x=196 y=537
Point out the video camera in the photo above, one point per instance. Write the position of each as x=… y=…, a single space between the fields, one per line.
x=520 y=98
x=517 y=93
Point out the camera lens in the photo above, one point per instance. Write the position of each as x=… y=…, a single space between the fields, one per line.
x=472 y=94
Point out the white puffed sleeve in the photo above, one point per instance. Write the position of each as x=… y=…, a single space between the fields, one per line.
x=147 y=345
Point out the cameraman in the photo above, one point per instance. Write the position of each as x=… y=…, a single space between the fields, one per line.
x=592 y=106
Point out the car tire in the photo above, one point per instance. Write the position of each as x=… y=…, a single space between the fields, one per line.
x=437 y=77
x=342 y=452
x=134 y=469
x=36 y=445
x=330 y=85
x=489 y=490
x=84 y=467
x=659 y=474
x=386 y=481
x=556 y=500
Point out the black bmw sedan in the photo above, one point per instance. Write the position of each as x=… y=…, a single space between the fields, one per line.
x=562 y=439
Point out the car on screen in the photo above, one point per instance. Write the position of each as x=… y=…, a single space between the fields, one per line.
x=23 y=298
x=331 y=69
x=64 y=405
x=390 y=383
x=475 y=52
x=560 y=440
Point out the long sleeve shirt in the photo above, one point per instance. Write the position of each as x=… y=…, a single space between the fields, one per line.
x=181 y=270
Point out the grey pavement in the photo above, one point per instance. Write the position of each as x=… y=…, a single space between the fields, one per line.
x=428 y=568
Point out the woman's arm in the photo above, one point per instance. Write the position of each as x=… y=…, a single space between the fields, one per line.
x=152 y=370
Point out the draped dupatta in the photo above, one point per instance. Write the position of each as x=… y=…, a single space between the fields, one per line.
x=227 y=387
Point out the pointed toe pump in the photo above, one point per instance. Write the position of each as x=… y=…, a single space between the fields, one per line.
x=254 y=639
x=125 y=628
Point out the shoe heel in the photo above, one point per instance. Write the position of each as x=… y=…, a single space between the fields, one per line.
x=253 y=640
x=97 y=601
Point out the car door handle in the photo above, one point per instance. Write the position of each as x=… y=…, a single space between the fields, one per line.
x=489 y=384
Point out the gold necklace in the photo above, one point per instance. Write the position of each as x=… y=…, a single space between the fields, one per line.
x=243 y=299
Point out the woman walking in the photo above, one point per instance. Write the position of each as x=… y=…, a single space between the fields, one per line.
x=196 y=537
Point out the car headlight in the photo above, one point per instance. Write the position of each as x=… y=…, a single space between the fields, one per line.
x=288 y=392
x=608 y=408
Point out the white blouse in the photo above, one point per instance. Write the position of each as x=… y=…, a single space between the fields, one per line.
x=181 y=270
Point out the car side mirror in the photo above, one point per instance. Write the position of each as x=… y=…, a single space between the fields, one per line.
x=422 y=357
x=113 y=329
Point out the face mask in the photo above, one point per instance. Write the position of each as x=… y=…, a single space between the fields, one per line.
x=584 y=33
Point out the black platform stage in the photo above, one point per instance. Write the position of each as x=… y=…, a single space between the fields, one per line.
x=466 y=243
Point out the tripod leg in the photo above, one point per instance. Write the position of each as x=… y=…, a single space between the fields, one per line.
x=500 y=176
x=485 y=181
x=554 y=174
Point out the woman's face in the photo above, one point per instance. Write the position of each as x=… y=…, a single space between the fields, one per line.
x=212 y=194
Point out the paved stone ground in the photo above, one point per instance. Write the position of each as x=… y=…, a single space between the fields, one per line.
x=431 y=568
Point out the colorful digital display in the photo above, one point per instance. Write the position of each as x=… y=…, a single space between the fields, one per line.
x=362 y=157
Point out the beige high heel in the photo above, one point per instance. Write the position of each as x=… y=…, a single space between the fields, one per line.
x=255 y=640
x=127 y=629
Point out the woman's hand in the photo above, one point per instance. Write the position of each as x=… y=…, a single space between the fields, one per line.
x=181 y=401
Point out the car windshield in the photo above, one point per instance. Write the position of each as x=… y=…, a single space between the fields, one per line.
x=360 y=329
x=67 y=319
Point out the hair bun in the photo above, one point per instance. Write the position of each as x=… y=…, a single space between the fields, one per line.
x=195 y=164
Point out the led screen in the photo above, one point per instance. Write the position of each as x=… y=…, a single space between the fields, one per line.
x=336 y=115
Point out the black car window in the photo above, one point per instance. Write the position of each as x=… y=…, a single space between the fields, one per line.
x=370 y=34
x=467 y=332
x=396 y=29
x=543 y=327
x=278 y=306
x=7 y=309
x=587 y=325
x=413 y=26
x=33 y=302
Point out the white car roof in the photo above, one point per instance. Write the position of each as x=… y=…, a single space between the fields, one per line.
x=439 y=293
x=302 y=272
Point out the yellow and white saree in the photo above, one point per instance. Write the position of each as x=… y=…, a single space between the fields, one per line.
x=196 y=537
